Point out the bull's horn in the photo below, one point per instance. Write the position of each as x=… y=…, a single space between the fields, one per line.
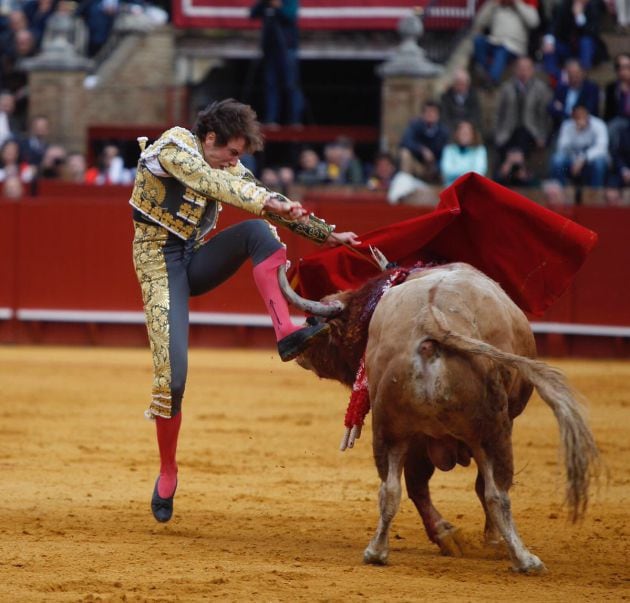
x=325 y=309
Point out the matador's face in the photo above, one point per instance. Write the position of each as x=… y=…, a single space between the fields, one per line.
x=219 y=157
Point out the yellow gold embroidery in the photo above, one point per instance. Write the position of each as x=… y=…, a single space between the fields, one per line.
x=150 y=268
x=190 y=213
x=315 y=229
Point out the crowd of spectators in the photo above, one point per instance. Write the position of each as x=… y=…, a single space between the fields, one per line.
x=27 y=152
x=550 y=121
x=550 y=125
x=28 y=156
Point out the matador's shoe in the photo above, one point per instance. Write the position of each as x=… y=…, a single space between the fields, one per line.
x=162 y=508
x=293 y=345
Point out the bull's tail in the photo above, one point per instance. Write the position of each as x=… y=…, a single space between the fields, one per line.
x=581 y=457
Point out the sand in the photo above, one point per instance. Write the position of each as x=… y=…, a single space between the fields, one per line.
x=267 y=508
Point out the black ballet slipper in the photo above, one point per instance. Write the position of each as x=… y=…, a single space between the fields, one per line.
x=162 y=508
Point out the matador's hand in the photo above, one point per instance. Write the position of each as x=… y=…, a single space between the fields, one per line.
x=342 y=238
x=289 y=210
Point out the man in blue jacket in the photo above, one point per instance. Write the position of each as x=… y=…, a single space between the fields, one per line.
x=578 y=90
x=422 y=143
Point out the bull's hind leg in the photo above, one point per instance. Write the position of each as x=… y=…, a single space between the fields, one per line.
x=496 y=468
x=418 y=472
x=491 y=533
x=389 y=462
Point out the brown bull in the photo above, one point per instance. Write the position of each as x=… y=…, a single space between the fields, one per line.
x=449 y=361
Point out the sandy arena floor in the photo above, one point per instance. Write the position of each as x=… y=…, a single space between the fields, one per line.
x=267 y=508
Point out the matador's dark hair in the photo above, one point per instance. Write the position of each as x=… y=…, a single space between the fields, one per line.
x=230 y=119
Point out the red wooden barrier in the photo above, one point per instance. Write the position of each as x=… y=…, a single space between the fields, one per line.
x=66 y=272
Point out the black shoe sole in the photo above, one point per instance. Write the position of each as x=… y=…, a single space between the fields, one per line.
x=293 y=345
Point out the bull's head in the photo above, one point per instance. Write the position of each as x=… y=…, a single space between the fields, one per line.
x=325 y=356
x=337 y=354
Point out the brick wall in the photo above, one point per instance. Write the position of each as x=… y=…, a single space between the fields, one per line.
x=134 y=85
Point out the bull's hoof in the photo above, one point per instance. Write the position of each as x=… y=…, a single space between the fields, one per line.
x=532 y=566
x=452 y=542
x=375 y=557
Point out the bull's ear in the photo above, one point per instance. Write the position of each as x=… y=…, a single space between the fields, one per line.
x=325 y=309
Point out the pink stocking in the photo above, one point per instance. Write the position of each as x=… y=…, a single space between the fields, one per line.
x=266 y=278
x=167 y=432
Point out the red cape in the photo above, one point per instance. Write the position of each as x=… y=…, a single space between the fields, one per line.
x=532 y=252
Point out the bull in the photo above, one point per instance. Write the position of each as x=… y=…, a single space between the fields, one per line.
x=450 y=363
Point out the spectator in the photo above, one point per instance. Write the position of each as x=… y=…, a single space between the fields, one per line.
x=15 y=44
x=16 y=21
x=465 y=154
x=12 y=188
x=620 y=172
x=576 y=91
x=270 y=179
x=280 y=36
x=383 y=172
x=110 y=168
x=37 y=13
x=312 y=170
x=522 y=119
x=622 y=10
x=9 y=125
x=36 y=141
x=11 y=163
x=249 y=161
x=286 y=175
x=460 y=102
x=582 y=150
x=53 y=163
x=75 y=168
x=509 y=23
x=617 y=100
x=513 y=170
x=76 y=36
x=351 y=164
x=422 y=143
x=574 y=33
x=342 y=166
x=99 y=17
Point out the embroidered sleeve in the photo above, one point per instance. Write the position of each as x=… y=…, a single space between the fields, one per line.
x=189 y=167
x=315 y=229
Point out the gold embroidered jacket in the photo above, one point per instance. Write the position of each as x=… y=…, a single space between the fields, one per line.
x=176 y=188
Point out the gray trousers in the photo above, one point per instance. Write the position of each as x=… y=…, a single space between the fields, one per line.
x=170 y=271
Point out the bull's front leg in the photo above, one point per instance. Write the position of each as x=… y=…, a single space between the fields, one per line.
x=389 y=463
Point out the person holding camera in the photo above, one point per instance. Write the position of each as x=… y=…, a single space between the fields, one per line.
x=513 y=170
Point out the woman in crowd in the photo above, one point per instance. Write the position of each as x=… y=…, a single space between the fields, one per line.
x=464 y=154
